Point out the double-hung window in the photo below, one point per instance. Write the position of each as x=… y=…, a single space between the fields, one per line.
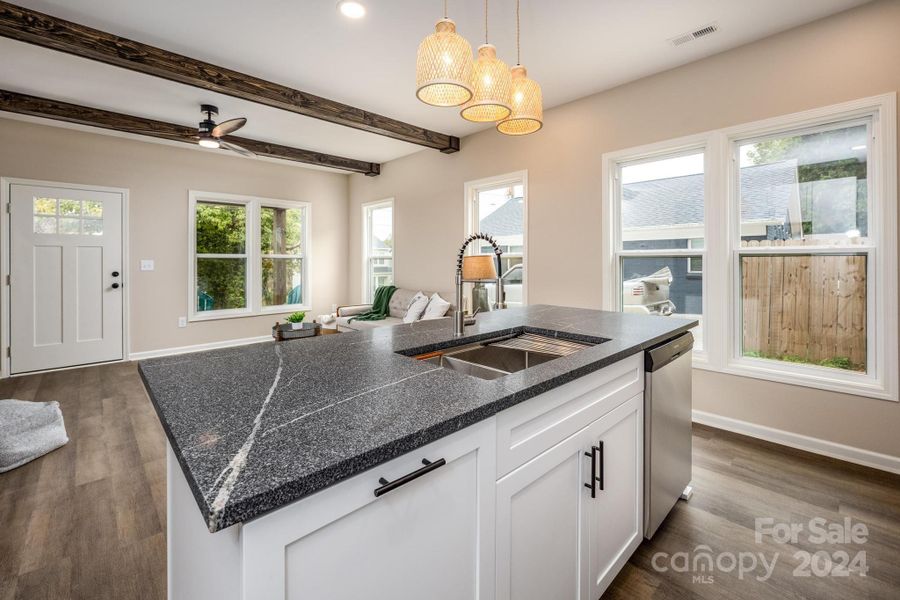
x=660 y=233
x=378 y=247
x=780 y=236
x=248 y=256
x=498 y=206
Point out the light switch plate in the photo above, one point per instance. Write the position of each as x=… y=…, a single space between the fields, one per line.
x=147 y=265
x=182 y=321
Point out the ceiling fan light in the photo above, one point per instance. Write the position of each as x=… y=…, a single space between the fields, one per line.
x=527 y=105
x=444 y=67
x=209 y=142
x=491 y=87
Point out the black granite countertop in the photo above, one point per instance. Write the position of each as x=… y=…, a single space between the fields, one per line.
x=256 y=427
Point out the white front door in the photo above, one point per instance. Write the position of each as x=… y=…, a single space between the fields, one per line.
x=66 y=298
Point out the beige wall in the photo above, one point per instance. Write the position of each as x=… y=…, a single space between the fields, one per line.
x=848 y=56
x=158 y=178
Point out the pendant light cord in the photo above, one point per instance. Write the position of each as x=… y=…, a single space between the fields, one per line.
x=445 y=9
x=485 y=21
x=518 y=35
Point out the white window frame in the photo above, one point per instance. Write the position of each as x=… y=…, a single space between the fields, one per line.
x=612 y=251
x=253 y=255
x=471 y=190
x=721 y=256
x=368 y=292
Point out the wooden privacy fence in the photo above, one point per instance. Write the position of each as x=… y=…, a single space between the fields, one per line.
x=805 y=308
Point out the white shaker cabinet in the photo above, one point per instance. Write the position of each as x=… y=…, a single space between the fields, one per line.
x=423 y=539
x=554 y=540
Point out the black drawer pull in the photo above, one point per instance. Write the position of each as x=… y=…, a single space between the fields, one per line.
x=387 y=486
x=596 y=455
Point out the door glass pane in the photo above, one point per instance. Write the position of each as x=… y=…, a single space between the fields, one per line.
x=662 y=203
x=92 y=208
x=282 y=281
x=281 y=230
x=44 y=206
x=71 y=208
x=45 y=225
x=221 y=283
x=663 y=286
x=501 y=214
x=806 y=188
x=221 y=228
x=69 y=226
x=805 y=309
x=92 y=226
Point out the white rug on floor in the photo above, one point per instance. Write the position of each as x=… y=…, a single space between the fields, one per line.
x=29 y=430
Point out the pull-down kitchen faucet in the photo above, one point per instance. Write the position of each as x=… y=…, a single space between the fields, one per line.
x=476 y=269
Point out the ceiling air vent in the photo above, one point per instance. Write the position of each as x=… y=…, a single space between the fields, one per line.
x=694 y=35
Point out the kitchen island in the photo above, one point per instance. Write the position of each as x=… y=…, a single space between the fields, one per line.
x=283 y=446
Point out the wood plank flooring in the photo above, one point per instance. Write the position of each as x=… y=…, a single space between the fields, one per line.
x=88 y=520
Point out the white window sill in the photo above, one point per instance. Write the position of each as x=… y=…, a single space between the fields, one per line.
x=269 y=310
x=820 y=378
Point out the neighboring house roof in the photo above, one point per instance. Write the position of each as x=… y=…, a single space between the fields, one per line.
x=765 y=195
x=505 y=220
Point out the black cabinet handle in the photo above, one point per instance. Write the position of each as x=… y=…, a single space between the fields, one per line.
x=387 y=486
x=596 y=455
x=115 y=273
x=115 y=286
x=602 y=470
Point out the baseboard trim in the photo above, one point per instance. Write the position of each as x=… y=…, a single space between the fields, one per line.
x=197 y=347
x=859 y=456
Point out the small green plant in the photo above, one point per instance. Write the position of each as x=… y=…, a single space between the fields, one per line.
x=296 y=317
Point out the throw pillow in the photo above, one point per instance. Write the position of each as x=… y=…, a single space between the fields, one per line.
x=436 y=309
x=416 y=308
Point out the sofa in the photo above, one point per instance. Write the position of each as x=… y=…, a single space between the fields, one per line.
x=398 y=305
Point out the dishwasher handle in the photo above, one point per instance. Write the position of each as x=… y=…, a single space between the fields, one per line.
x=667 y=352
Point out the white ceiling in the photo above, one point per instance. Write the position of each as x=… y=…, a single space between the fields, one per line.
x=572 y=47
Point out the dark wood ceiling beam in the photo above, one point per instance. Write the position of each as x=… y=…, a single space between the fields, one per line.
x=44 y=30
x=34 y=106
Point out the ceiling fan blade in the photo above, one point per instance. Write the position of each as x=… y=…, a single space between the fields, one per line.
x=229 y=126
x=235 y=148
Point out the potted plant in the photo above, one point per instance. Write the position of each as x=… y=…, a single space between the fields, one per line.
x=296 y=319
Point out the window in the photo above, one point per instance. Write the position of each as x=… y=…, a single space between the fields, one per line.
x=804 y=246
x=378 y=247
x=68 y=217
x=498 y=207
x=230 y=272
x=782 y=234
x=660 y=202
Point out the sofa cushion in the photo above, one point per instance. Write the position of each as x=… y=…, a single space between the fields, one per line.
x=346 y=323
x=437 y=307
x=416 y=308
x=400 y=302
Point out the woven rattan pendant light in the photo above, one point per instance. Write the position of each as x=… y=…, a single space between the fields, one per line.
x=444 y=66
x=491 y=84
x=526 y=101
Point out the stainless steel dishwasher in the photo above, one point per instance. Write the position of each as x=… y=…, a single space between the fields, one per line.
x=667 y=429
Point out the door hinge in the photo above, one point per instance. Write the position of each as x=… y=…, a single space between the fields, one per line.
x=7 y=280
x=8 y=211
x=8 y=352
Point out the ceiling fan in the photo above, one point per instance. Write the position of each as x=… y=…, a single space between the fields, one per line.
x=211 y=134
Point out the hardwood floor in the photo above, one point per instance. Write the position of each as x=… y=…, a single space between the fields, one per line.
x=88 y=520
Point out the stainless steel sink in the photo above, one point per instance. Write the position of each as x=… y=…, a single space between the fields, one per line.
x=491 y=359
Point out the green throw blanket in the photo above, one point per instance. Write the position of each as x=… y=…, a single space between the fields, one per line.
x=380 y=308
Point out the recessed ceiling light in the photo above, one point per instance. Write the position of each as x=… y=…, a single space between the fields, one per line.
x=349 y=8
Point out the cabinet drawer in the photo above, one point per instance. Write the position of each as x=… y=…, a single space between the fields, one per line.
x=529 y=428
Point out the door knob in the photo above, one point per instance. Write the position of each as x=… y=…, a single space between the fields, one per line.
x=115 y=286
x=115 y=273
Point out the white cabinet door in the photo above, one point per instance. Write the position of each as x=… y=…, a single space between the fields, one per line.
x=424 y=539
x=554 y=540
x=613 y=519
